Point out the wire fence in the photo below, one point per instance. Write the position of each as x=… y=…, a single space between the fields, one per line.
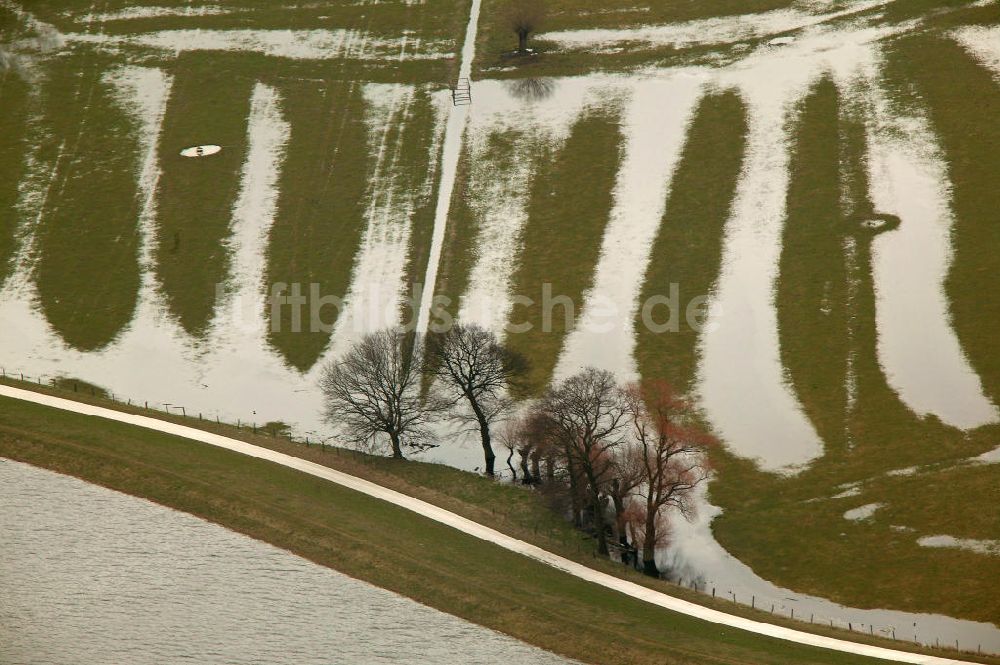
x=779 y=608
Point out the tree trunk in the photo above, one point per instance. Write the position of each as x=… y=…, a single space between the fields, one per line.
x=526 y=477
x=619 y=503
x=536 y=474
x=484 y=434
x=574 y=493
x=522 y=41
x=511 y=466
x=602 y=537
x=649 y=546
x=397 y=448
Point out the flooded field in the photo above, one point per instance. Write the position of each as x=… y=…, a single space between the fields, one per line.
x=91 y=575
x=807 y=176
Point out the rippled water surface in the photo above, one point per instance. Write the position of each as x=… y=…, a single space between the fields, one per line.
x=89 y=575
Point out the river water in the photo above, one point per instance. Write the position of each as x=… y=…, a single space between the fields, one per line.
x=89 y=575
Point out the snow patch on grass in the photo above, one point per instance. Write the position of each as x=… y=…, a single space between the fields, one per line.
x=848 y=490
x=722 y=30
x=131 y=13
x=377 y=283
x=145 y=90
x=293 y=44
x=983 y=43
x=500 y=198
x=989 y=547
x=861 y=513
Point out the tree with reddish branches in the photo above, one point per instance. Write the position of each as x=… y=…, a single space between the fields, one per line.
x=673 y=455
x=588 y=416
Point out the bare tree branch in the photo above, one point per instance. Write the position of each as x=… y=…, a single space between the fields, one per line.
x=476 y=369
x=373 y=393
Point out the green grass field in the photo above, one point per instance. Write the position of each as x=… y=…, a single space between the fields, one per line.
x=389 y=546
x=688 y=248
x=562 y=243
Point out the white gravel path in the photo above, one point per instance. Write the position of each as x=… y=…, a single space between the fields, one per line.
x=477 y=530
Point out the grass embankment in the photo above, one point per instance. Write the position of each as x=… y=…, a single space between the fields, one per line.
x=826 y=280
x=510 y=509
x=14 y=92
x=209 y=104
x=688 y=247
x=568 y=210
x=385 y=545
x=87 y=268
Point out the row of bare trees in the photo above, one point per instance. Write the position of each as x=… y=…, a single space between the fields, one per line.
x=377 y=390
x=628 y=455
x=618 y=459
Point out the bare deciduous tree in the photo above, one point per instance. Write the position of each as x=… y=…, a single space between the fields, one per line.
x=511 y=438
x=524 y=17
x=588 y=413
x=672 y=454
x=626 y=476
x=476 y=368
x=374 y=391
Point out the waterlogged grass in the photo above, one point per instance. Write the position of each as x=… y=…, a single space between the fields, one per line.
x=420 y=164
x=568 y=210
x=504 y=150
x=963 y=103
x=14 y=92
x=437 y=20
x=209 y=104
x=826 y=280
x=496 y=39
x=344 y=166
x=688 y=247
x=385 y=545
x=813 y=287
x=321 y=206
x=87 y=270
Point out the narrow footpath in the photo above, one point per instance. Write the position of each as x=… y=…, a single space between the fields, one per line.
x=482 y=532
